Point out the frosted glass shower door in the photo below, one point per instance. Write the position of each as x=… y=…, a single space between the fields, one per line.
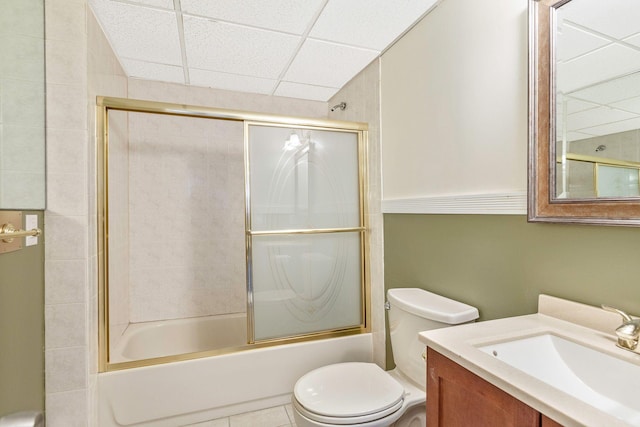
x=305 y=231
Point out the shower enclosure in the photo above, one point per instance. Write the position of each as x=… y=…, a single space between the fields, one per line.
x=225 y=230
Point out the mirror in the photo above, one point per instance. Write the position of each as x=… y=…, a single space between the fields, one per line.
x=22 y=105
x=584 y=111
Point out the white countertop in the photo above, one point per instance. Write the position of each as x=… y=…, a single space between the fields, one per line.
x=460 y=344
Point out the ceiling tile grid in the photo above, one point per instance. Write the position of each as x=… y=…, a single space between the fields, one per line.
x=213 y=46
x=614 y=127
x=311 y=92
x=140 y=33
x=328 y=64
x=573 y=42
x=595 y=117
x=371 y=24
x=226 y=81
x=631 y=105
x=153 y=71
x=617 y=19
x=603 y=64
x=287 y=16
x=611 y=91
x=303 y=49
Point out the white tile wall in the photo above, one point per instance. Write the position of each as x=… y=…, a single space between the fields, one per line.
x=362 y=96
x=181 y=179
x=73 y=71
x=66 y=253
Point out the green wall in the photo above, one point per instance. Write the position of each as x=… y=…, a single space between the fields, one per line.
x=22 y=328
x=501 y=263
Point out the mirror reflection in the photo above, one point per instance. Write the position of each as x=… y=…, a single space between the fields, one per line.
x=22 y=97
x=597 y=99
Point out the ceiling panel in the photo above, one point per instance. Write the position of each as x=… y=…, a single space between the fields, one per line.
x=327 y=64
x=595 y=117
x=140 y=33
x=231 y=81
x=229 y=48
x=291 y=16
x=372 y=24
x=599 y=65
x=153 y=71
x=632 y=105
x=577 y=136
x=634 y=39
x=612 y=91
x=256 y=46
x=573 y=42
x=164 y=4
x=617 y=18
x=299 y=90
x=616 y=127
x=576 y=105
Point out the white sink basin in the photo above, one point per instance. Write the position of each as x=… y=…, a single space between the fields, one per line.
x=596 y=378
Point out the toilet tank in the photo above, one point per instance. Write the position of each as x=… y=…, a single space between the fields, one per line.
x=413 y=310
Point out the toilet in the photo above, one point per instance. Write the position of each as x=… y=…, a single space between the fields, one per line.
x=362 y=394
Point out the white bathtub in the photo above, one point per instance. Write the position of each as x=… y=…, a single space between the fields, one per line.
x=197 y=390
x=168 y=337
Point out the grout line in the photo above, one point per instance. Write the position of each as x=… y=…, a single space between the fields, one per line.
x=303 y=38
x=183 y=49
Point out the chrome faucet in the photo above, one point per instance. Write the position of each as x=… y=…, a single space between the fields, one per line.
x=629 y=332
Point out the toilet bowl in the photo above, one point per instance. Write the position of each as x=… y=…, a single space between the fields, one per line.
x=360 y=394
x=355 y=394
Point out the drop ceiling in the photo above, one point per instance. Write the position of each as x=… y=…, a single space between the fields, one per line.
x=598 y=65
x=303 y=49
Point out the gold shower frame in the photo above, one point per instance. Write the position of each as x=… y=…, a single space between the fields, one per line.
x=105 y=104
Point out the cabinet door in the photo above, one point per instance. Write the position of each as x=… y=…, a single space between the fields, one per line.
x=548 y=422
x=458 y=398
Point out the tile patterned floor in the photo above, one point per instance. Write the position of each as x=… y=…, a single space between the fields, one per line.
x=280 y=416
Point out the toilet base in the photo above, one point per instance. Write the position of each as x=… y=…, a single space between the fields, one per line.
x=415 y=416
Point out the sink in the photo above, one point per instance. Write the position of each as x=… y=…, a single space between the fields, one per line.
x=596 y=378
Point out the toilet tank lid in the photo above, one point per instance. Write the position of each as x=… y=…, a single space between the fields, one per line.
x=431 y=306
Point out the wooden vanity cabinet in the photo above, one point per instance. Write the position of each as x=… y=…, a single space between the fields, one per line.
x=457 y=397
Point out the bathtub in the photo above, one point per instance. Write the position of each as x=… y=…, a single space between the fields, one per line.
x=192 y=391
x=169 y=337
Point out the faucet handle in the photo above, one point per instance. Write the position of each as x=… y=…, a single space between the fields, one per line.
x=628 y=332
x=624 y=315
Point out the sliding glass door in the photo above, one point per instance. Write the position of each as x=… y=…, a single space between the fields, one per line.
x=305 y=230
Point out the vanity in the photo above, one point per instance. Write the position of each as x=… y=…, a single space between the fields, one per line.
x=558 y=367
x=453 y=387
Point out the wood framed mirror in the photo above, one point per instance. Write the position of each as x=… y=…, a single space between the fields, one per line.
x=584 y=112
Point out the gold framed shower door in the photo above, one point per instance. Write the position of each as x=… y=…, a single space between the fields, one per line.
x=107 y=104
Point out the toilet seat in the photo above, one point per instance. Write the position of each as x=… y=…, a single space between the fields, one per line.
x=346 y=421
x=348 y=393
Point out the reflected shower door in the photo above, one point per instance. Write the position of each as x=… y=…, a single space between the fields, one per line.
x=305 y=231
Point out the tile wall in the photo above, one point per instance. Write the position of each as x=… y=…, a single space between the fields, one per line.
x=362 y=95
x=80 y=64
x=186 y=214
x=66 y=217
x=619 y=146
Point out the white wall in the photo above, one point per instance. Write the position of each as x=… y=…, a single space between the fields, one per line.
x=454 y=102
